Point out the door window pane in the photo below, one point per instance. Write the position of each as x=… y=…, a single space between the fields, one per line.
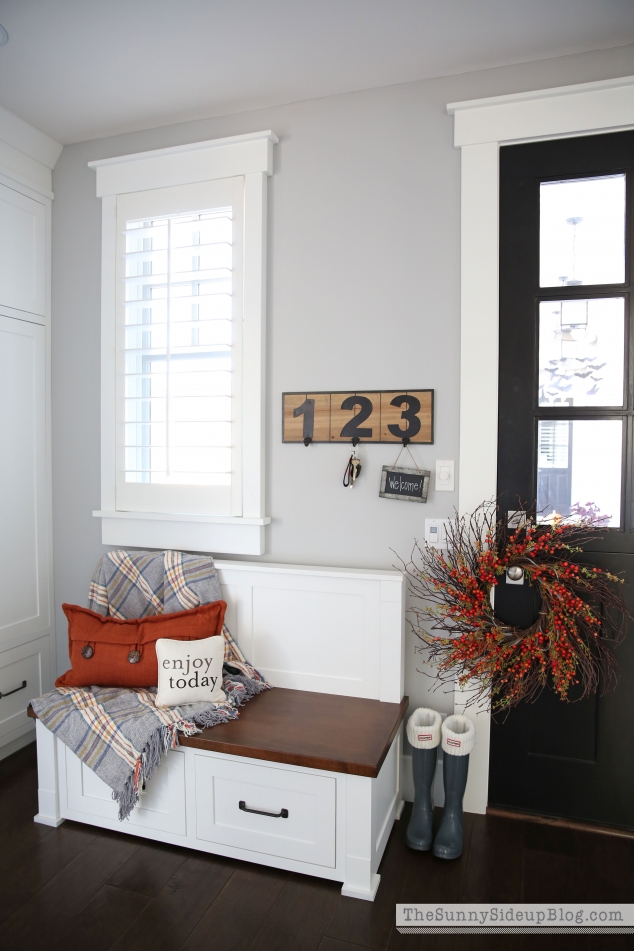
x=582 y=231
x=581 y=352
x=579 y=469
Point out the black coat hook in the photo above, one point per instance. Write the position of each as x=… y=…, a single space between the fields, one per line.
x=355 y=441
x=406 y=440
x=308 y=440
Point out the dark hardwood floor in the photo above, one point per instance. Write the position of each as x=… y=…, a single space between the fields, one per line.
x=78 y=886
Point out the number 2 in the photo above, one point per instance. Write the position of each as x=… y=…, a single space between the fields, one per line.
x=351 y=429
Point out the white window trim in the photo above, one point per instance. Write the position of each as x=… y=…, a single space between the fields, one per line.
x=480 y=127
x=251 y=156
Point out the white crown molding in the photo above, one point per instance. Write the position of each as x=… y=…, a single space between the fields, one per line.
x=184 y=164
x=545 y=113
x=533 y=94
x=26 y=154
x=26 y=138
x=189 y=147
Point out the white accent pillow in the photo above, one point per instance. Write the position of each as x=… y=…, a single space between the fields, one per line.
x=190 y=671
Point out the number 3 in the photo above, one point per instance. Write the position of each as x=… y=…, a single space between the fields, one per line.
x=413 y=407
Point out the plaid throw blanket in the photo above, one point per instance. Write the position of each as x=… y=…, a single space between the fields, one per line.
x=119 y=732
x=137 y=584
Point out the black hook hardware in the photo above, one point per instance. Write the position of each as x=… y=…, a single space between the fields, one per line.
x=355 y=441
x=406 y=440
x=308 y=440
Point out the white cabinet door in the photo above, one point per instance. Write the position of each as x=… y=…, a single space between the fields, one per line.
x=22 y=252
x=161 y=807
x=24 y=543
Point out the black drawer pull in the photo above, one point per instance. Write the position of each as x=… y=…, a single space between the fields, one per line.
x=274 y=815
x=9 y=692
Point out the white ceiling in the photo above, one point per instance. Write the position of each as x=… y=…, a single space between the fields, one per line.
x=80 y=69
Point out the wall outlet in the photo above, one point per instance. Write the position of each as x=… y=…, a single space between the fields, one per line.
x=444 y=475
x=435 y=532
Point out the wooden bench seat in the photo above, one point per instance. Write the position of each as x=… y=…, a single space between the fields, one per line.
x=317 y=730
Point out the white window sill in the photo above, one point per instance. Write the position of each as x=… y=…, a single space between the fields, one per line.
x=224 y=534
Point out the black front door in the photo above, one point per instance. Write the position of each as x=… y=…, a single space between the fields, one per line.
x=565 y=441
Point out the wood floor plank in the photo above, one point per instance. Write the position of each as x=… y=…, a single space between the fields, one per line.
x=611 y=860
x=300 y=915
x=102 y=921
x=19 y=835
x=234 y=919
x=167 y=921
x=549 y=877
x=423 y=942
x=17 y=764
x=334 y=944
x=18 y=806
x=36 y=865
x=32 y=925
x=370 y=923
x=557 y=840
x=431 y=879
x=494 y=862
x=150 y=868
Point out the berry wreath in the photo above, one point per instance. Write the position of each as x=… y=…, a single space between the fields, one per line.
x=582 y=614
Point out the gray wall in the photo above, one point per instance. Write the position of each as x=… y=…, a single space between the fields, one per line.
x=363 y=292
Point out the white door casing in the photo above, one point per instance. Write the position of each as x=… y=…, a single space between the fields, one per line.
x=480 y=127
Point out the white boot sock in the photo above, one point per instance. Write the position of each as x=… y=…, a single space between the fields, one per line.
x=423 y=729
x=458 y=735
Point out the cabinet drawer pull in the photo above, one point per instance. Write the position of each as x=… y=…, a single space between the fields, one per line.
x=274 y=815
x=9 y=692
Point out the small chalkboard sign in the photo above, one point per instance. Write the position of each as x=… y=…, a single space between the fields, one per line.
x=407 y=485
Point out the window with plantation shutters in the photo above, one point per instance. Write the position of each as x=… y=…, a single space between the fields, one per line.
x=179 y=338
x=183 y=272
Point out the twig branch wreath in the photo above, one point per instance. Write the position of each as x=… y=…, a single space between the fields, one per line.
x=567 y=645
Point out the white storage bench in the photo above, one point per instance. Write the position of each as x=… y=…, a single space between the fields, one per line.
x=307 y=780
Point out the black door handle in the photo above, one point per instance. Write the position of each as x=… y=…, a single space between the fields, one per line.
x=9 y=692
x=274 y=815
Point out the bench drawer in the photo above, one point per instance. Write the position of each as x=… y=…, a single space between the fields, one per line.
x=306 y=833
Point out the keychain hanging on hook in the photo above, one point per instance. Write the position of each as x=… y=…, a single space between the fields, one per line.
x=353 y=467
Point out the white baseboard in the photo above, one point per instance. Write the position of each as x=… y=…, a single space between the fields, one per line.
x=351 y=892
x=48 y=821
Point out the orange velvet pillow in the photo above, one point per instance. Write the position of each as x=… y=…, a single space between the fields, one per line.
x=107 y=652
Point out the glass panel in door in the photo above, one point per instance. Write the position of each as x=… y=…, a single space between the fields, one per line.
x=581 y=352
x=579 y=465
x=582 y=231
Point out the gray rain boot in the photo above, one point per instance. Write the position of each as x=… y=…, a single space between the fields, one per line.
x=423 y=732
x=458 y=739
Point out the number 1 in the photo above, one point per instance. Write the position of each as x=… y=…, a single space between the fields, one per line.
x=307 y=410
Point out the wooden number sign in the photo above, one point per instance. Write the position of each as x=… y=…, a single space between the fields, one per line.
x=371 y=416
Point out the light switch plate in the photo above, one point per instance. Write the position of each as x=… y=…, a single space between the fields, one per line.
x=444 y=475
x=435 y=532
